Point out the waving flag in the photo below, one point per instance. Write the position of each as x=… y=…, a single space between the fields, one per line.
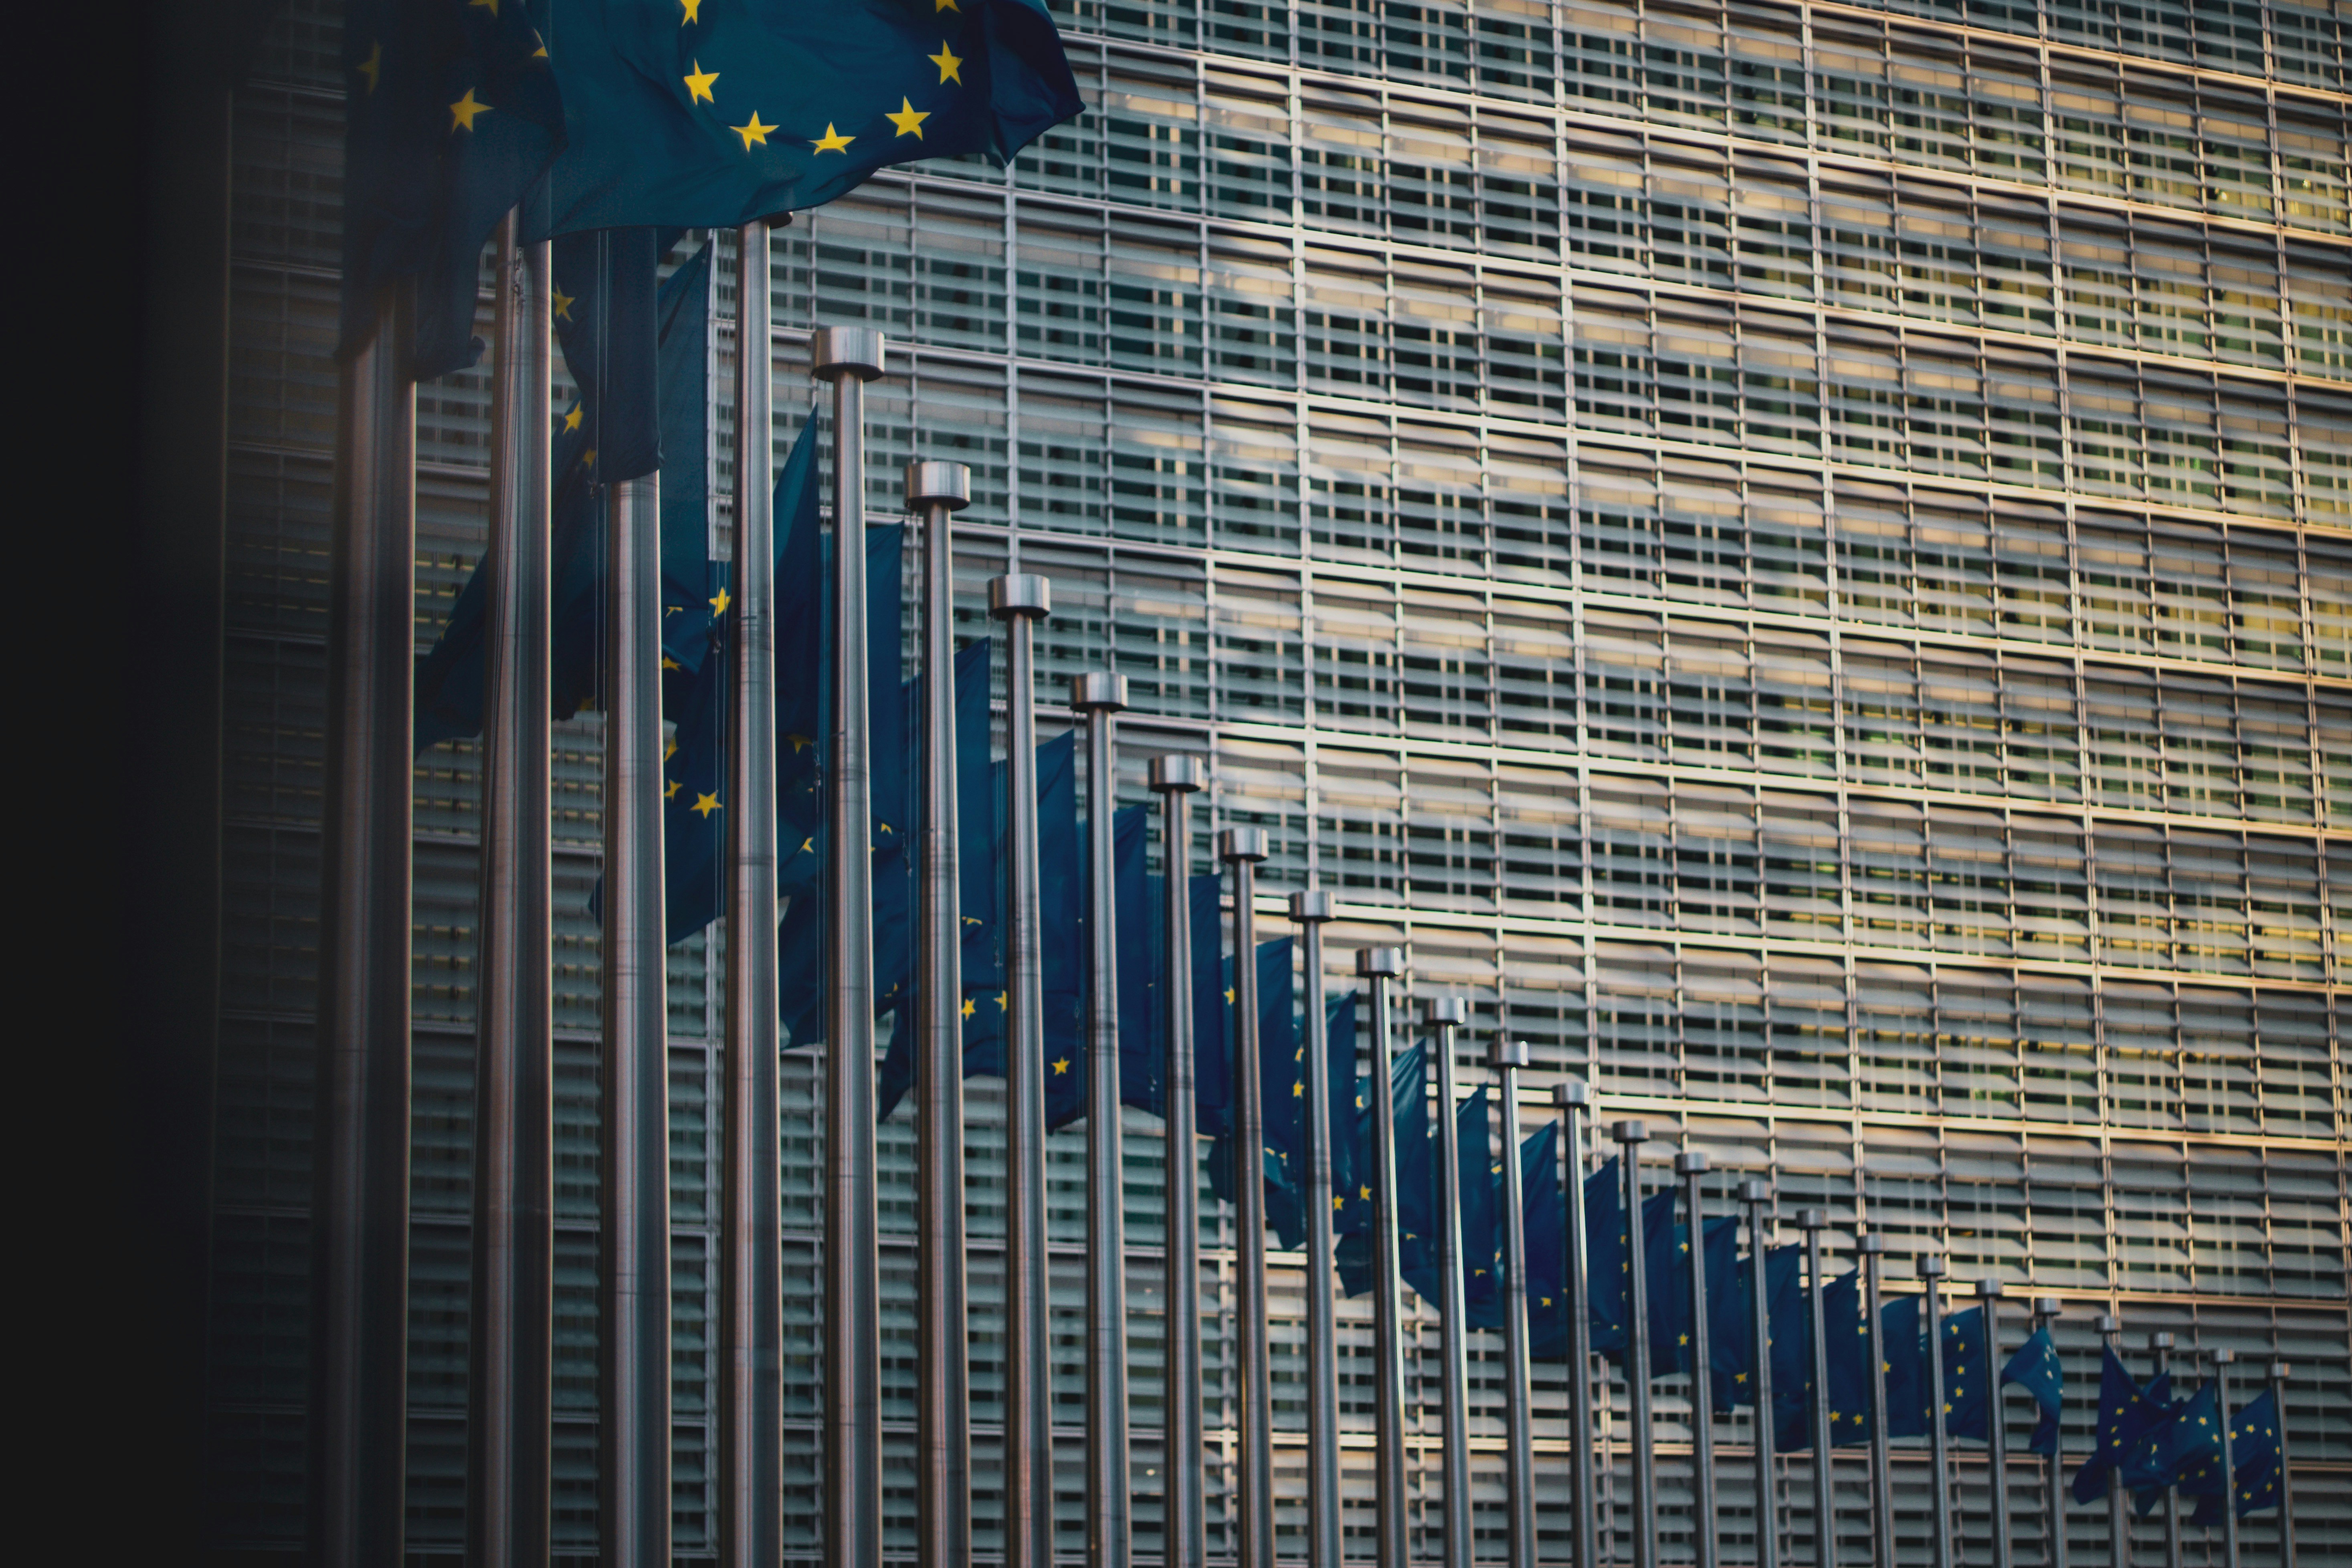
x=2126 y=1414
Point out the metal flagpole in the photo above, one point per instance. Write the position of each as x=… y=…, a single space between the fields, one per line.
x=634 y=1322
x=1380 y=965
x=1324 y=1535
x=1443 y=1014
x=1572 y=1099
x=750 y=1393
x=358 y=1279
x=2111 y=1329
x=1506 y=1057
x=2223 y=1360
x=944 y=1374
x=849 y=357
x=2161 y=1343
x=1882 y=1456
x=1242 y=849
x=1989 y=1294
x=1185 y=1529
x=2045 y=1316
x=1630 y=1136
x=2278 y=1372
x=1691 y=1166
x=1095 y=698
x=1758 y=1198
x=1019 y=602
x=1939 y=1441
x=510 y=1372
x=1811 y=1222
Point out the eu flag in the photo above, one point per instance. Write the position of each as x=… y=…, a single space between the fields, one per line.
x=2034 y=1368
x=1478 y=1189
x=450 y=116
x=1348 y=1211
x=1967 y=1374
x=1845 y=1344
x=1728 y=1329
x=1665 y=1262
x=1059 y=913
x=1903 y=1359
x=2255 y=1473
x=2126 y=1414
x=712 y=118
x=1215 y=1081
x=2183 y=1451
x=1408 y=1107
x=1143 y=1069
x=607 y=307
x=694 y=827
x=1789 y=1337
x=1607 y=1238
x=1544 y=1217
x=1278 y=1034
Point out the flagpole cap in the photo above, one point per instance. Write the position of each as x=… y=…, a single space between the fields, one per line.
x=1380 y=963
x=1020 y=594
x=1630 y=1132
x=1989 y=1291
x=1753 y=1191
x=1446 y=1010
x=1097 y=691
x=1931 y=1266
x=1572 y=1095
x=1310 y=906
x=1811 y=1219
x=939 y=484
x=2107 y=1323
x=1239 y=844
x=1872 y=1245
x=1690 y=1163
x=2225 y=1356
x=2048 y=1307
x=2160 y=1341
x=836 y=351
x=1506 y=1055
x=1178 y=773
x=2279 y=1371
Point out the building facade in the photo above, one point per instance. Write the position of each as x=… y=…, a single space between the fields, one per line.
x=1798 y=556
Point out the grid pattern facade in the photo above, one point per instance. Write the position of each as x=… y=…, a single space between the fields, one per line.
x=1799 y=556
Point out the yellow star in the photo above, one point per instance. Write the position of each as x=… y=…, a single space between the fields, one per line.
x=669 y=749
x=1366 y=1195
x=693 y=12
x=752 y=131
x=1004 y=1000
x=1061 y=1067
x=588 y=458
x=669 y=790
x=563 y=313
x=540 y=53
x=466 y=110
x=372 y=68
x=489 y=6
x=697 y=85
x=572 y=415
x=1228 y=995
x=1296 y=1090
x=669 y=663
x=799 y=743
x=833 y=140
x=808 y=845
x=968 y=1007
x=719 y=605
x=1338 y=1203
x=909 y=119
x=940 y=5
x=948 y=63
x=704 y=804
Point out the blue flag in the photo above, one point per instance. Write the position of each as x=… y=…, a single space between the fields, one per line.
x=1142 y=1059
x=1967 y=1374
x=1278 y=1034
x=1607 y=1238
x=1789 y=1336
x=1729 y=1330
x=1902 y=1357
x=712 y=119
x=1666 y=1263
x=1060 y=915
x=2184 y=1449
x=2128 y=1412
x=2255 y=1473
x=694 y=791
x=1349 y=1212
x=1845 y=1342
x=803 y=662
x=1478 y=1187
x=1544 y=1215
x=450 y=113
x=1409 y=1106
x=2035 y=1369
x=1213 y=1090
x=604 y=292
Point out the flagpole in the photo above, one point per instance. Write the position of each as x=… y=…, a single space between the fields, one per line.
x=511 y=1323
x=2045 y=1316
x=1939 y=1441
x=634 y=1320
x=1572 y=1099
x=1242 y=849
x=1630 y=1136
x=1882 y=1457
x=2278 y=1373
x=1020 y=602
x=2111 y=1329
x=1185 y=1527
x=1324 y=1533
x=2223 y=1360
x=1380 y=965
x=1989 y=1294
x=750 y=1394
x=1095 y=698
x=358 y=1276
x=1758 y=1198
x=1691 y=1166
x=1442 y=1014
x=2161 y=1344
x=849 y=357
x=943 y=1407
x=1811 y=1222
x=1506 y=1057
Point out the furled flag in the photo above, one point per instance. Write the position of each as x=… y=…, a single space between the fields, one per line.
x=1607 y=1258
x=1277 y=1030
x=1789 y=1337
x=1902 y=1360
x=1409 y=1107
x=449 y=114
x=1666 y=1262
x=1846 y=1347
x=2255 y=1473
x=1478 y=1195
x=712 y=118
x=2128 y=1412
x=2034 y=1368
x=1543 y=1215
x=1727 y=1330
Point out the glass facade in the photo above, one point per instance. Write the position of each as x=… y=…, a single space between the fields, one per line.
x=1799 y=556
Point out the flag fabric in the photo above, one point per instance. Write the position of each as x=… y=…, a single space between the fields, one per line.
x=1060 y=914
x=1790 y=1338
x=2184 y=1449
x=1846 y=1348
x=1607 y=1240
x=1543 y=1215
x=1478 y=1195
x=607 y=307
x=1728 y=1330
x=759 y=107
x=2035 y=1369
x=1665 y=1255
x=1214 y=1083
x=450 y=113
x=682 y=424
x=1349 y=1212
x=1902 y=1360
x=1278 y=1031
x=803 y=623
x=2128 y=1412
x=694 y=790
x=1967 y=1374
x=1142 y=1056
x=2256 y=1472
x=1409 y=1106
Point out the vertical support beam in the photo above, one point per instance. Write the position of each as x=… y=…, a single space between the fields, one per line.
x=1506 y=1057
x=2045 y=1316
x=2160 y=1345
x=943 y=1375
x=1185 y=1529
x=1692 y=1166
x=1574 y=1099
x=750 y=1393
x=1882 y=1457
x=2224 y=1359
x=1443 y=1014
x=1096 y=699
x=1380 y=965
x=849 y=357
x=359 y=1278
x=1324 y=1533
x=1939 y=1440
x=1242 y=849
x=1631 y=1136
x=2278 y=1372
x=1757 y=1197
x=510 y=1323
x=1989 y=1294
x=2111 y=1328
x=1812 y=1221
